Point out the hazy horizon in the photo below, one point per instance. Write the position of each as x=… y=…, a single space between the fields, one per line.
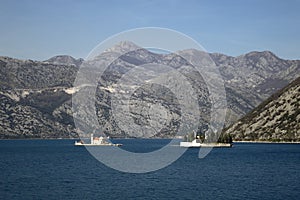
x=39 y=30
x=149 y=49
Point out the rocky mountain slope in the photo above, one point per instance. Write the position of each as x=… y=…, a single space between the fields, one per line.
x=276 y=119
x=36 y=96
x=253 y=77
x=34 y=99
x=249 y=79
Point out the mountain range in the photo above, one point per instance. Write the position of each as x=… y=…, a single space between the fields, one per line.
x=36 y=96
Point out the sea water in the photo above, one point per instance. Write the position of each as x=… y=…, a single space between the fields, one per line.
x=56 y=169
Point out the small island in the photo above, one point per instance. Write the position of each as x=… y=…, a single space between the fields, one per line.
x=199 y=140
x=96 y=141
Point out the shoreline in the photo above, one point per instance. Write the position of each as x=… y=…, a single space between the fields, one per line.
x=2 y=139
x=266 y=142
x=235 y=141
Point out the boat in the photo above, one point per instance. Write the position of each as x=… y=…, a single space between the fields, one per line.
x=96 y=141
x=197 y=143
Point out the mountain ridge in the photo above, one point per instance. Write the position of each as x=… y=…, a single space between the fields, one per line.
x=38 y=84
x=64 y=60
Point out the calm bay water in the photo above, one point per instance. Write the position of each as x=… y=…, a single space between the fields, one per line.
x=55 y=169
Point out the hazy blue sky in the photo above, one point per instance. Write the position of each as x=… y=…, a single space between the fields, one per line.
x=39 y=29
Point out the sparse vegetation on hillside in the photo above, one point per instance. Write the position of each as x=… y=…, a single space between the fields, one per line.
x=276 y=119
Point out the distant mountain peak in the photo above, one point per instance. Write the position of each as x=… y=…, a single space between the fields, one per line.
x=123 y=46
x=64 y=60
x=265 y=54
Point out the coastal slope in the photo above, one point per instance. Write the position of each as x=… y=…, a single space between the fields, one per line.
x=276 y=119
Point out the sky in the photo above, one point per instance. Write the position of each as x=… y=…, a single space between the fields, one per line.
x=40 y=29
